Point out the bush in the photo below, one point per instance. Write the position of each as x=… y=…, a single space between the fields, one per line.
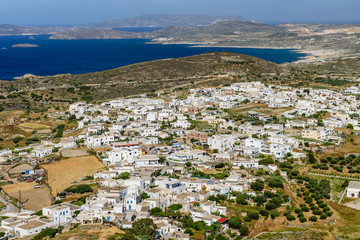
x=302 y=219
x=247 y=219
x=274 y=214
x=275 y=183
x=155 y=211
x=323 y=216
x=253 y=215
x=305 y=209
x=328 y=213
x=47 y=232
x=235 y=222
x=258 y=185
x=188 y=231
x=124 y=175
x=264 y=213
x=16 y=140
x=79 y=189
x=243 y=230
x=317 y=212
x=175 y=207
x=145 y=227
x=240 y=199
x=290 y=217
x=313 y=219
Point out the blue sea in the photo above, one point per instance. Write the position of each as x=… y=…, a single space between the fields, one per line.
x=84 y=56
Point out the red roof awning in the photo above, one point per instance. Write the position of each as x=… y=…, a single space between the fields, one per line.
x=222 y=220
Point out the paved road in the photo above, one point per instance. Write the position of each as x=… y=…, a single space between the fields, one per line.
x=9 y=207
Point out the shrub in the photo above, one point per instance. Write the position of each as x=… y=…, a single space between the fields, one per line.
x=329 y=213
x=313 y=219
x=302 y=219
x=317 y=212
x=235 y=222
x=253 y=215
x=188 y=231
x=16 y=140
x=274 y=214
x=240 y=199
x=323 y=216
x=79 y=189
x=243 y=230
x=264 y=213
x=305 y=209
x=258 y=185
x=275 y=183
x=175 y=207
x=290 y=217
x=47 y=232
x=247 y=219
x=297 y=210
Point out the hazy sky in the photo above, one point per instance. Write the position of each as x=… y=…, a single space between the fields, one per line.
x=59 y=12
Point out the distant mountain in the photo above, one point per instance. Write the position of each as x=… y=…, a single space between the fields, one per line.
x=94 y=34
x=163 y=20
x=219 y=28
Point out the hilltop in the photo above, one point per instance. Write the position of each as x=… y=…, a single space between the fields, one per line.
x=211 y=68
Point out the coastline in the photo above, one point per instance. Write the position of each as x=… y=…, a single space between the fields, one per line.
x=311 y=55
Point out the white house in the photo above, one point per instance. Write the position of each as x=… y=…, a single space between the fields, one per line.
x=31 y=227
x=147 y=160
x=222 y=142
x=61 y=213
x=279 y=150
x=254 y=143
x=42 y=152
x=353 y=189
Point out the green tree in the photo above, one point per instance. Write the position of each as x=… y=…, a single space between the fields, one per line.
x=275 y=183
x=124 y=175
x=311 y=158
x=258 y=185
x=145 y=227
x=144 y=195
x=155 y=211
x=235 y=222
x=240 y=199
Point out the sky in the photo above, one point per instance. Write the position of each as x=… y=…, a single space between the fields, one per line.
x=73 y=12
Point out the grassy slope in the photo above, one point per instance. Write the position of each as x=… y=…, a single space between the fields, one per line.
x=135 y=79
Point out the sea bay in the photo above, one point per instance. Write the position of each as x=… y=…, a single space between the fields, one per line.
x=84 y=56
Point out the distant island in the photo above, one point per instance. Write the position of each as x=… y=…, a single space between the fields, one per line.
x=24 y=45
x=95 y=34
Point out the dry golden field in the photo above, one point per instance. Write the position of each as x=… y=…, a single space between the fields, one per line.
x=33 y=199
x=61 y=174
